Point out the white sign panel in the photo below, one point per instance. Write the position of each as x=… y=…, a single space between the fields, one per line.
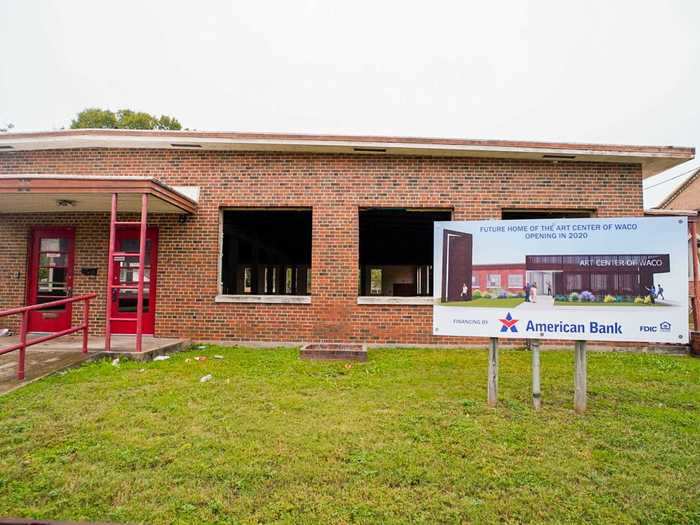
x=621 y=279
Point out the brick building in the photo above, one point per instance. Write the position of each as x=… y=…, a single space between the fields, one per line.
x=495 y=277
x=278 y=237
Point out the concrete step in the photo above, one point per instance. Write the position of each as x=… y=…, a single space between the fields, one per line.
x=334 y=351
x=165 y=347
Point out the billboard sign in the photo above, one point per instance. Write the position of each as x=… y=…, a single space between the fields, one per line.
x=617 y=279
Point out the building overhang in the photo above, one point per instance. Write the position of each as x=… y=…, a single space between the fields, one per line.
x=42 y=193
x=653 y=159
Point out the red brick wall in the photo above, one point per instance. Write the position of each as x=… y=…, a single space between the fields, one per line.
x=483 y=274
x=334 y=186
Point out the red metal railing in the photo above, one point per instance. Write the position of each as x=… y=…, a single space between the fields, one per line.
x=24 y=311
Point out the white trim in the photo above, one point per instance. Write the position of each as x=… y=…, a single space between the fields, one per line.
x=191 y=192
x=653 y=160
x=391 y=300
x=220 y=276
x=165 y=141
x=263 y=299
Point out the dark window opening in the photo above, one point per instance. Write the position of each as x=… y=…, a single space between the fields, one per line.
x=524 y=214
x=266 y=252
x=396 y=251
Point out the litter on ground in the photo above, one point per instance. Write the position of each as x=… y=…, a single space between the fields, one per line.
x=200 y=358
x=115 y=362
x=161 y=357
x=218 y=357
x=205 y=378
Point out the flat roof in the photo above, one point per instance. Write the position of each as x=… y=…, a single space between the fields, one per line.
x=653 y=159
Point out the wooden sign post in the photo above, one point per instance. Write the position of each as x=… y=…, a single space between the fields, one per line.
x=536 y=394
x=492 y=395
x=580 y=373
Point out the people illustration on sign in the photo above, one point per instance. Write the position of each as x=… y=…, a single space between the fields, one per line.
x=655 y=293
x=549 y=288
x=652 y=293
x=533 y=293
x=526 y=289
x=465 y=291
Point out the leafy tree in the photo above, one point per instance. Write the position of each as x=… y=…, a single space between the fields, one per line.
x=127 y=119
x=94 y=118
x=122 y=119
x=166 y=122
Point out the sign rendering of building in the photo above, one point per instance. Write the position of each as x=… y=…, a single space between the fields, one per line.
x=574 y=282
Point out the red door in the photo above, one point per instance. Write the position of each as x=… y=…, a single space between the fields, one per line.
x=126 y=272
x=456 y=265
x=50 y=277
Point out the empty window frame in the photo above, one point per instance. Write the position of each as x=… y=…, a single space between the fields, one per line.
x=396 y=251
x=266 y=251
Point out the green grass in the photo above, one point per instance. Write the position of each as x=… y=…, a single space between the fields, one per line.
x=481 y=302
x=588 y=303
x=403 y=438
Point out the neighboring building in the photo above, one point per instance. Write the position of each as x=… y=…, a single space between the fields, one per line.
x=685 y=200
x=685 y=197
x=279 y=237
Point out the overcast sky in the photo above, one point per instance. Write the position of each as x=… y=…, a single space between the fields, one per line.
x=599 y=71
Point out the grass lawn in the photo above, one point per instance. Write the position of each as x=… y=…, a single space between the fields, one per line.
x=405 y=437
x=587 y=303
x=508 y=302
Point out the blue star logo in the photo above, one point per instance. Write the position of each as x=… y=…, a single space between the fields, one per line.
x=509 y=324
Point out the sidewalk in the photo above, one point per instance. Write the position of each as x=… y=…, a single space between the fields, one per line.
x=544 y=302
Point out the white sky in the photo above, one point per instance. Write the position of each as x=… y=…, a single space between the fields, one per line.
x=598 y=71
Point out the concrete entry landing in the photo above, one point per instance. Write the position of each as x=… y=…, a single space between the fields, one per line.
x=65 y=352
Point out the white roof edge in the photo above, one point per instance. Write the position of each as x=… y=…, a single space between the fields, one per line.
x=652 y=159
x=144 y=141
x=670 y=213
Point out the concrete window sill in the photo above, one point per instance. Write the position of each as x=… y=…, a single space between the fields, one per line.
x=374 y=299
x=264 y=299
